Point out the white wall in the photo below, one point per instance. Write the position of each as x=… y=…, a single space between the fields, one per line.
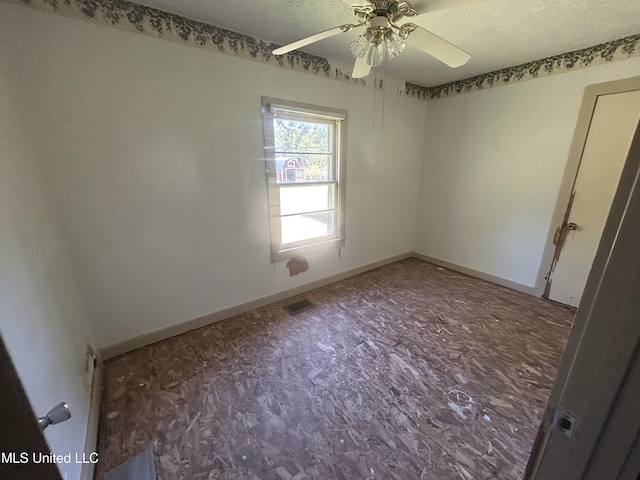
x=136 y=166
x=493 y=165
x=42 y=317
x=154 y=154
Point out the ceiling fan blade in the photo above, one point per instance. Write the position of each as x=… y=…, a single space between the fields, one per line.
x=437 y=47
x=361 y=69
x=312 y=39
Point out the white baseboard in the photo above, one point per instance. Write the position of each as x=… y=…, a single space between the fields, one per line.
x=173 y=330
x=91 y=440
x=475 y=273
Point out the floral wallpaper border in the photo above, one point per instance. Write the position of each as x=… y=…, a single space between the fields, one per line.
x=134 y=17
x=586 y=57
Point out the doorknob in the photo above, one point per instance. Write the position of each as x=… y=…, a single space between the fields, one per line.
x=572 y=226
x=57 y=414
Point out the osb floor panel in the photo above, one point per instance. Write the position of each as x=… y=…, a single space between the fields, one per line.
x=409 y=371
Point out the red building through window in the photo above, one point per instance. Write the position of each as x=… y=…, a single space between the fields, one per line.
x=289 y=171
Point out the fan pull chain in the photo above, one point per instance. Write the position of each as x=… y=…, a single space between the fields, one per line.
x=375 y=96
x=384 y=91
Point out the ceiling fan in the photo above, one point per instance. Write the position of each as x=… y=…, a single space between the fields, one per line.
x=384 y=37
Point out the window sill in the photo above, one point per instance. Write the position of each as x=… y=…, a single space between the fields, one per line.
x=312 y=249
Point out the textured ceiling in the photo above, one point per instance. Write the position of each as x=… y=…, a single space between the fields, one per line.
x=497 y=33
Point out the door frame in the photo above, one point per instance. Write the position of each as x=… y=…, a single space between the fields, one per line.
x=597 y=381
x=585 y=117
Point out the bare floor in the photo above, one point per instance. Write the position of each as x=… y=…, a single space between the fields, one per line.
x=409 y=371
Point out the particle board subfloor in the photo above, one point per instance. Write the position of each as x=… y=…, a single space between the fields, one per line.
x=410 y=371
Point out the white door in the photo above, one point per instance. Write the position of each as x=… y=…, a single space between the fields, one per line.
x=613 y=124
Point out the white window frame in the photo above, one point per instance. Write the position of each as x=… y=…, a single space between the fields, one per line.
x=278 y=108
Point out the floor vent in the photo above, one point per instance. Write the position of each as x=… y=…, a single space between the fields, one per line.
x=298 y=306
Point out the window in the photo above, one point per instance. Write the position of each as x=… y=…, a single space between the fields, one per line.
x=304 y=153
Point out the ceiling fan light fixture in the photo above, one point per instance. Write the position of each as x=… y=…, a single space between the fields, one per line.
x=395 y=44
x=360 y=44
x=377 y=44
x=375 y=54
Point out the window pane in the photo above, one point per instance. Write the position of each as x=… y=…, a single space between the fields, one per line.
x=305 y=199
x=295 y=136
x=304 y=227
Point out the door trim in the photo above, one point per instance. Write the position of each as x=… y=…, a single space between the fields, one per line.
x=91 y=440
x=585 y=116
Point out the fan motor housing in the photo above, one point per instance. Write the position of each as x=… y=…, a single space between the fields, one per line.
x=385 y=7
x=380 y=21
